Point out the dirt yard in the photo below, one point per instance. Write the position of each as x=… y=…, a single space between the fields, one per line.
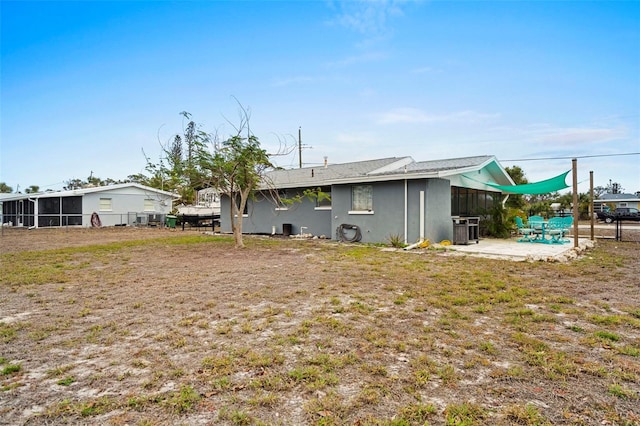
x=130 y=326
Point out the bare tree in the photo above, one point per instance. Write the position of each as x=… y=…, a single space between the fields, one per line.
x=176 y=169
x=237 y=168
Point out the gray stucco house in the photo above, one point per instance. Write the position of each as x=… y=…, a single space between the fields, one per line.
x=617 y=200
x=115 y=205
x=385 y=197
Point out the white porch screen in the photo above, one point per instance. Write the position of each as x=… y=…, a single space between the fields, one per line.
x=362 y=198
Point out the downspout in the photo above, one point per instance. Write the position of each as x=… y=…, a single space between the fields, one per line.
x=504 y=201
x=421 y=239
x=421 y=216
x=406 y=214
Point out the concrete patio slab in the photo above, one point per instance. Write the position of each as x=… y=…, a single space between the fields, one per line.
x=523 y=251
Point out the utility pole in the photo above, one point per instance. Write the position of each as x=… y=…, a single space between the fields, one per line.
x=576 y=216
x=300 y=145
x=591 y=214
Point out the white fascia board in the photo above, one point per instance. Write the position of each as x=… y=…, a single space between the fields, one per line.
x=489 y=164
x=459 y=171
x=497 y=164
x=361 y=179
x=384 y=178
x=83 y=191
x=130 y=185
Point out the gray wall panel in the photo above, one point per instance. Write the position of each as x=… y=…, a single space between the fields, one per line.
x=263 y=217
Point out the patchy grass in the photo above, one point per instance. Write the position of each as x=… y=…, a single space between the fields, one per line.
x=10 y=369
x=170 y=327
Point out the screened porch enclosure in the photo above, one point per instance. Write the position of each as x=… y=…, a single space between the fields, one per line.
x=472 y=202
x=52 y=211
x=19 y=212
x=59 y=211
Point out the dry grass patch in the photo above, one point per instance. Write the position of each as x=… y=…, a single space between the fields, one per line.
x=159 y=327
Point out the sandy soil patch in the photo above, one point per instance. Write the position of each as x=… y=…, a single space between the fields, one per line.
x=153 y=326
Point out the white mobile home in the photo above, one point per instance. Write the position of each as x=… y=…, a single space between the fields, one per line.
x=112 y=205
x=613 y=201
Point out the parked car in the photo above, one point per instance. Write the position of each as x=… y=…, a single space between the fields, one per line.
x=621 y=213
x=604 y=214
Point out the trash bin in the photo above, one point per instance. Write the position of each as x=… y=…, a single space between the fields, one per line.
x=170 y=221
x=460 y=232
x=466 y=230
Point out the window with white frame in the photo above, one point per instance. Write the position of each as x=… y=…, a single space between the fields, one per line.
x=323 y=198
x=362 y=198
x=280 y=199
x=149 y=205
x=105 y=205
x=245 y=212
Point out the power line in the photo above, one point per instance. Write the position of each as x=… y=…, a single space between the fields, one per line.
x=572 y=157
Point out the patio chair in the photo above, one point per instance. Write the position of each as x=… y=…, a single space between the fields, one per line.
x=557 y=229
x=535 y=219
x=536 y=223
x=523 y=230
x=567 y=223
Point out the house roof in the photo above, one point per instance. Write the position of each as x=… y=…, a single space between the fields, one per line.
x=618 y=197
x=394 y=168
x=451 y=164
x=82 y=191
x=323 y=175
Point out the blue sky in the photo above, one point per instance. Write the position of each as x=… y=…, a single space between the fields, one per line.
x=86 y=86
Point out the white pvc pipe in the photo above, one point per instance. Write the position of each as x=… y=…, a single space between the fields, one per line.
x=421 y=215
x=414 y=245
x=405 y=210
x=421 y=239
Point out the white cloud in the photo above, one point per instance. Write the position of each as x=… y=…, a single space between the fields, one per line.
x=367 y=16
x=579 y=135
x=358 y=59
x=368 y=93
x=356 y=138
x=292 y=81
x=414 y=115
x=425 y=70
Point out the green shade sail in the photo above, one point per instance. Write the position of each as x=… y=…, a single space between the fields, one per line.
x=543 y=187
